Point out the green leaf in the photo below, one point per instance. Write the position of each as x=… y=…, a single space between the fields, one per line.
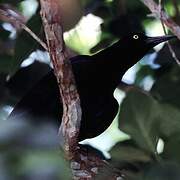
x=146 y=120
x=144 y=71
x=169 y=120
x=162 y=171
x=167 y=88
x=128 y=153
x=137 y=118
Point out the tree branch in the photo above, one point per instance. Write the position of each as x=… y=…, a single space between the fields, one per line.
x=154 y=8
x=84 y=165
x=51 y=17
x=173 y=54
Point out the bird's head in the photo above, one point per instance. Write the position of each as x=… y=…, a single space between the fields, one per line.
x=138 y=44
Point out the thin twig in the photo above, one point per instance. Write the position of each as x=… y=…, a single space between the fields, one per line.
x=12 y=16
x=173 y=54
x=34 y=36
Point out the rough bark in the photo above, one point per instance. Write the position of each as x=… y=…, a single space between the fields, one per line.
x=84 y=164
x=69 y=129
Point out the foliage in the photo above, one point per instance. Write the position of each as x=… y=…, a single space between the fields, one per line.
x=149 y=117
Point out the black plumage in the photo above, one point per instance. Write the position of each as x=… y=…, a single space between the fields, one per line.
x=96 y=77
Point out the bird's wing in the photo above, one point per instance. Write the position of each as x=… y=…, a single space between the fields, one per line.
x=42 y=102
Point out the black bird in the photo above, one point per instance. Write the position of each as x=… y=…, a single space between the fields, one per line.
x=96 y=77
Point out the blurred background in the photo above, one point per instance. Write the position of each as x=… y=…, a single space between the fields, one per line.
x=30 y=152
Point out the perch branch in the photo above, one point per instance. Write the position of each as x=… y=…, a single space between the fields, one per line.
x=69 y=129
x=83 y=164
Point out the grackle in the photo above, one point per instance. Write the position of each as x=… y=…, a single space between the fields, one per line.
x=96 y=77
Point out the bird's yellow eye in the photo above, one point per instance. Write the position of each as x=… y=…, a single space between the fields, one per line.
x=135 y=37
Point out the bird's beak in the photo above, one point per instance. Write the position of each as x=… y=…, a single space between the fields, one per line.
x=153 y=41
